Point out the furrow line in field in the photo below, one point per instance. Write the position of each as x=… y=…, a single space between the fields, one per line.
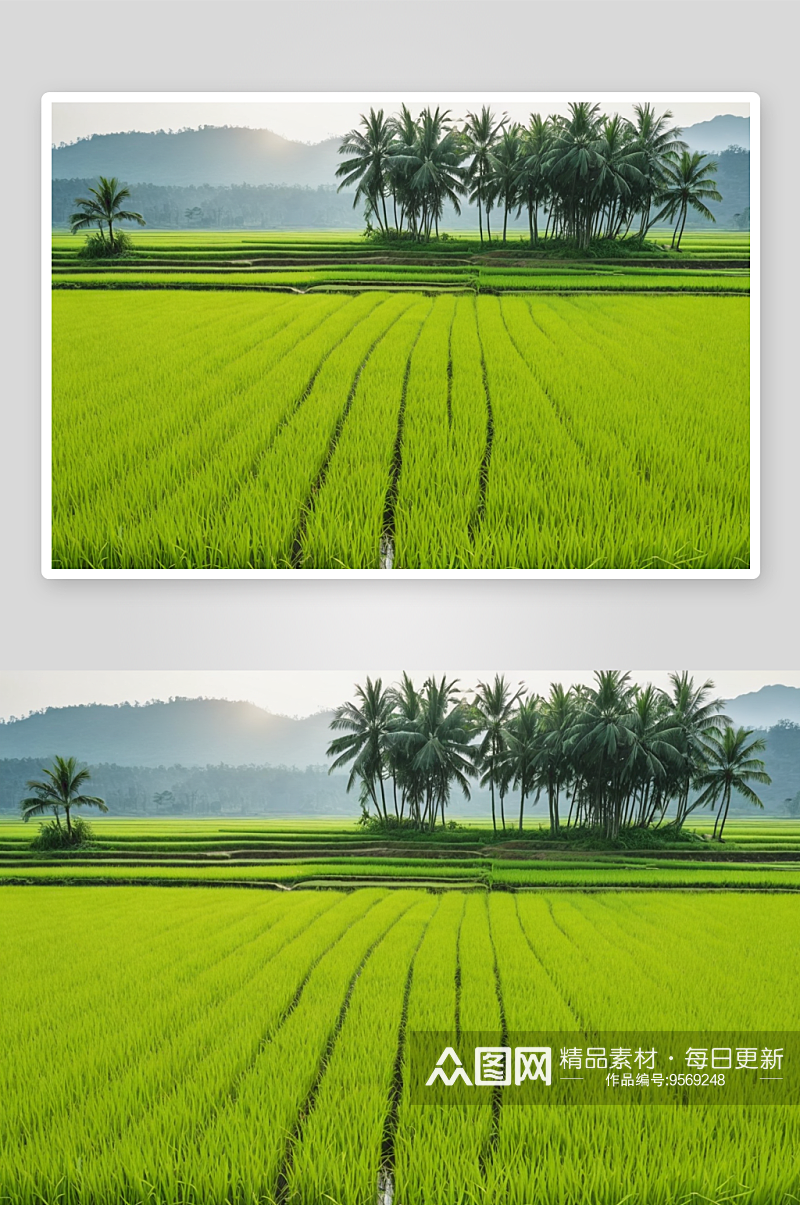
x=450 y=372
x=480 y=511
x=457 y=976
x=397 y=462
x=319 y=482
x=282 y=1183
x=387 y=1169
x=497 y=1092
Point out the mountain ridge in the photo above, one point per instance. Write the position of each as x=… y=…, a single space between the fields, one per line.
x=201 y=731
x=232 y=155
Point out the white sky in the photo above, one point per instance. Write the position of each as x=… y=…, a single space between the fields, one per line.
x=300 y=692
x=313 y=121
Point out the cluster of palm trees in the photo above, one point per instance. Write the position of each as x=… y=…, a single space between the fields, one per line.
x=594 y=175
x=618 y=754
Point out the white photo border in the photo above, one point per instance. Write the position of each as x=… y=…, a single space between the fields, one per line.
x=489 y=97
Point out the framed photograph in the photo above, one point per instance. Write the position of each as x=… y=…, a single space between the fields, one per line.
x=429 y=335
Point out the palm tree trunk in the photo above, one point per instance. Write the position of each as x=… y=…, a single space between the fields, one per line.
x=111 y=234
x=683 y=223
x=494 y=817
x=727 y=802
x=488 y=227
x=480 y=218
x=521 y=806
x=69 y=822
x=502 y=809
x=383 y=798
x=505 y=222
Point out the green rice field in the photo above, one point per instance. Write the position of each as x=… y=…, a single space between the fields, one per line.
x=203 y=1046
x=542 y=427
x=757 y=856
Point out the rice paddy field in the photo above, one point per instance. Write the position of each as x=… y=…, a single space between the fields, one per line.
x=760 y=856
x=259 y=402
x=202 y=1046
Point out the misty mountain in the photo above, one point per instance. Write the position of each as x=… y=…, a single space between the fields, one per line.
x=211 y=155
x=766 y=707
x=186 y=732
x=226 y=155
x=716 y=135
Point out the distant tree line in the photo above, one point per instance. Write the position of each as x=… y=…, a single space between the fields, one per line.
x=193 y=791
x=594 y=175
x=612 y=756
x=217 y=207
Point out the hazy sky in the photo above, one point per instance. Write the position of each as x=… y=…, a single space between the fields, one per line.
x=307 y=121
x=296 y=693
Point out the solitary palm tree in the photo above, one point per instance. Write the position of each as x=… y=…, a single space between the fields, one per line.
x=60 y=791
x=731 y=767
x=104 y=207
x=688 y=183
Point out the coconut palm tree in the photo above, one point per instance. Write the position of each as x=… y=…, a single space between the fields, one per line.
x=659 y=145
x=405 y=135
x=493 y=707
x=731 y=767
x=103 y=207
x=688 y=183
x=619 y=164
x=600 y=748
x=407 y=702
x=435 y=168
x=696 y=714
x=366 y=744
x=368 y=165
x=60 y=791
x=506 y=162
x=481 y=132
x=553 y=763
x=531 y=179
x=522 y=738
x=572 y=166
x=439 y=742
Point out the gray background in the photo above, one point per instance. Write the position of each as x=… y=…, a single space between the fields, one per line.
x=352 y=624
